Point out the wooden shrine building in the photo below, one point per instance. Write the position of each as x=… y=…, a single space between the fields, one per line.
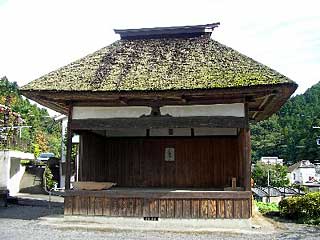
x=163 y=113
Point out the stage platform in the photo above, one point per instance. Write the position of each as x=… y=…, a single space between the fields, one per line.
x=159 y=203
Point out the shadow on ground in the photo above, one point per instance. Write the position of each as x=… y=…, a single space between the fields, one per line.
x=31 y=209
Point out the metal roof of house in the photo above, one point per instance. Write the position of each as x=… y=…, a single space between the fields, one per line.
x=259 y=192
x=276 y=191
x=300 y=164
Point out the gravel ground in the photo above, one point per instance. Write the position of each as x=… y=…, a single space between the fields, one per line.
x=24 y=221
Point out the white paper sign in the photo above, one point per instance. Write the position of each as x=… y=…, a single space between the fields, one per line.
x=169 y=154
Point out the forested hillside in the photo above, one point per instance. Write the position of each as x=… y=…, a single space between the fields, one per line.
x=44 y=134
x=289 y=133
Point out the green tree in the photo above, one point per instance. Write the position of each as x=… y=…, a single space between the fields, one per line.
x=267 y=139
x=289 y=133
x=45 y=133
x=277 y=173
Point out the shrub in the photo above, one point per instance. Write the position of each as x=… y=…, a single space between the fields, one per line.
x=289 y=207
x=49 y=182
x=302 y=208
x=311 y=203
x=26 y=162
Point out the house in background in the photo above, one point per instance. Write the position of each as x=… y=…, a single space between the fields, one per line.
x=317 y=168
x=272 y=160
x=303 y=172
x=263 y=194
x=164 y=113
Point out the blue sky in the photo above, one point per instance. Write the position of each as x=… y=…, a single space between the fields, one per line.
x=38 y=36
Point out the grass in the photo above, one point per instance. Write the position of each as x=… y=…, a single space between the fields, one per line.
x=266 y=208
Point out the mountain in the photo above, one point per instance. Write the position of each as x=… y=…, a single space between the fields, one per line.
x=290 y=133
x=43 y=135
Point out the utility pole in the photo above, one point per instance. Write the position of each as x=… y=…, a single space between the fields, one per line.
x=268 y=180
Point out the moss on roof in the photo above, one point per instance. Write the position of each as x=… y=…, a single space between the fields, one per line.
x=159 y=64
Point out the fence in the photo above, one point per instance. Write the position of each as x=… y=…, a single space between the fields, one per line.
x=15 y=143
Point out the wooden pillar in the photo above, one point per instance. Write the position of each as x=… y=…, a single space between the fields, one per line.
x=247 y=159
x=69 y=148
x=247 y=152
x=80 y=152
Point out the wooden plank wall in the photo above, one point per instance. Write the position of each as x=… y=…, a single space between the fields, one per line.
x=163 y=208
x=139 y=162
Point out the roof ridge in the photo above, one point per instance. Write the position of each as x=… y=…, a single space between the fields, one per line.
x=168 y=32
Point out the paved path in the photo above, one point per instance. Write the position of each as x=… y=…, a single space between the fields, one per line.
x=28 y=221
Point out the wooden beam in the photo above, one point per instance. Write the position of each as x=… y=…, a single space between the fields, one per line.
x=69 y=147
x=261 y=106
x=265 y=100
x=168 y=97
x=209 y=96
x=254 y=91
x=57 y=106
x=162 y=194
x=123 y=100
x=159 y=122
x=255 y=110
x=274 y=103
x=160 y=102
x=184 y=99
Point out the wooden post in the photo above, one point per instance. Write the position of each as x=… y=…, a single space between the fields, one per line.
x=247 y=151
x=247 y=159
x=233 y=183
x=69 y=148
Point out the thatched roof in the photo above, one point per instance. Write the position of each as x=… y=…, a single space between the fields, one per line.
x=175 y=65
x=159 y=64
